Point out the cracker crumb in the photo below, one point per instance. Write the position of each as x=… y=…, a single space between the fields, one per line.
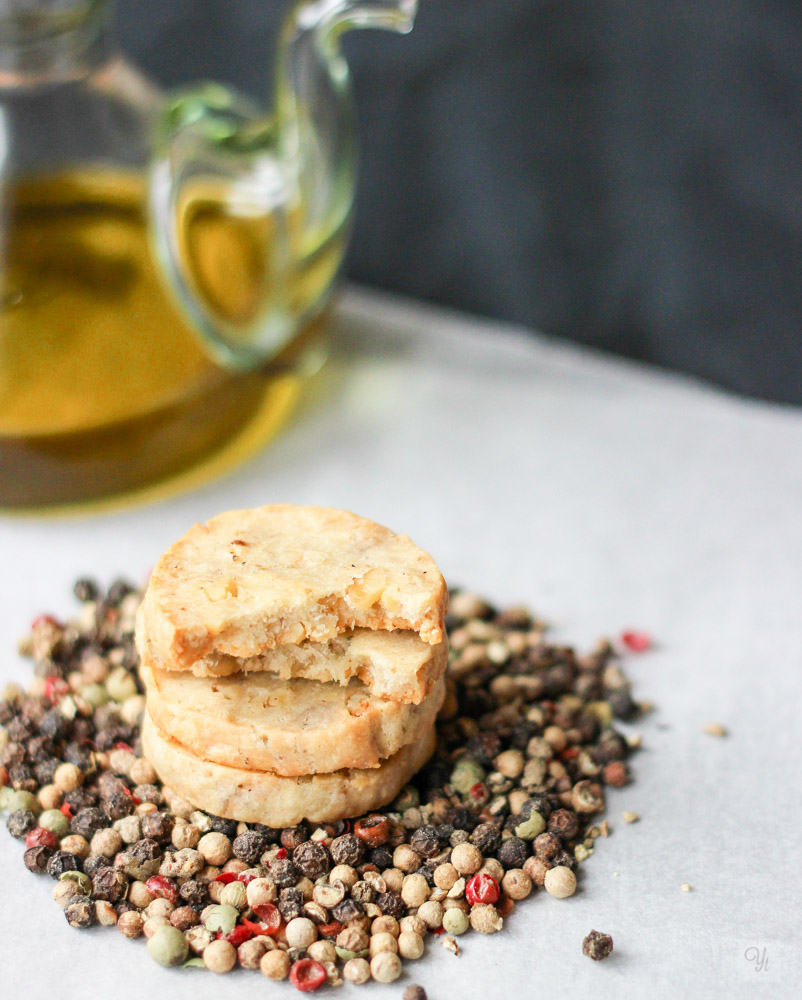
x=686 y=887
x=715 y=729
x=630 y=817
x=450 y=944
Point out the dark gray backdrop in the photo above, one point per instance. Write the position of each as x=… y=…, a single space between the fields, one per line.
x=622 y=172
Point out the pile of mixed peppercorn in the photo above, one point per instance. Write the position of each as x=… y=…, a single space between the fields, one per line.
x=526 y=744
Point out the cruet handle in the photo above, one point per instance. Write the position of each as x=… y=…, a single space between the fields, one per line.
x=282 y=186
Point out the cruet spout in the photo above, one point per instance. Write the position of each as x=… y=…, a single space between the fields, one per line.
x=251 y=212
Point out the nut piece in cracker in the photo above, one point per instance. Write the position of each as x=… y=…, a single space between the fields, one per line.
x=248 y=581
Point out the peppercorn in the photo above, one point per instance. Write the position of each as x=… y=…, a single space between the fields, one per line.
x=466 y=858
x=347 y=849
x=80 y=912
x=275 y=965
x=87 y=821
x=385 y=967
x=20 y=823
x=142 y=859
x=391 y=904
x=36 y=859
x=356 y=970
x=249 y=846
x=564 y=824
x=168 y=946
x=283 y=872
x=193 y=892
x=109 y=884
x=61 y=862
x=291 y=903
x=293 y=836
x=217 y=824
x=486 y=837
x=512 y=852
x=426 y=841
x=381 y=857
x=312 y=859
x=373 y=830
x=597 y=946
x=455 y=921
x=348 y=910
x=130 y=923
x=560 y=882
x=157 y=826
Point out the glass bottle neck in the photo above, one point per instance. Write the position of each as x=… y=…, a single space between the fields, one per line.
x=39 y=45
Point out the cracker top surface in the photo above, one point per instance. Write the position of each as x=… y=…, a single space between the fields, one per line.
x=247 y=581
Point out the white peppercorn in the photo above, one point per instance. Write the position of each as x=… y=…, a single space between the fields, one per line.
x=300 y=933
x=383 y=942
x=560 y=882
x=322 y=951
x=249 y=953
x=410 y=945
x=466 y=858
x=275 y=964
x=385 y=967
x=234 y=894
x=516 y=884
x=219 y=956
x=356 y=970
x=130 y=923
x=215 y=848
x=431 y=913
x=485 y=918
x=412 y=924
x=415 y=890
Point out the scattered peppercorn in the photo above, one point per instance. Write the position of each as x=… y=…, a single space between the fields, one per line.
x=597 y=946
x=525 y=748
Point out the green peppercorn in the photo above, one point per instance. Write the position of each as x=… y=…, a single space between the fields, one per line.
x=221 y=918
x=467 y=772
x=531 y=827
x=55 y=821
x=168 y=946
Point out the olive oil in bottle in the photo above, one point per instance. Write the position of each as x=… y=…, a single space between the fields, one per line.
x=105 y=389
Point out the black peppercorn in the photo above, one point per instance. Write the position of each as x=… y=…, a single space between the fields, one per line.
x=20 y=823
x=563 y=823
x=20 y=729
x=290 y=903
x=283 y=872
x=12 y=753
x=54 y=725
x=622 y=704
x=461 y=818
x=219 y=825
x=250 y=846
x=88 y=821
x=157 y=826
x=486 y=837
x=312 y=859
x=348 y=850
x=80 y=912
x=78 y=754
x=294 y=836
x=148 y=793
x=362 y=892
x=597 y=946
x=80 y=798
x=109 y=884
x=45 y=769
x=512 y=852
x=349 y=909
x=426 y=841
x=36 y=859
x=273 y=836
x=85 y=590
x=428 y=874
x=117 y=805
x=547 y=846
x=117 y=592
x=391 y=904
x=381 y=857
x=62 y=861
x=94 y=863
x=193 y=892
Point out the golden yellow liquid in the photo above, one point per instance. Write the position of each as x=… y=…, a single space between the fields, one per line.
x=105 y=389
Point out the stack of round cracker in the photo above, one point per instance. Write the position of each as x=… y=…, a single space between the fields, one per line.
x=293 y=660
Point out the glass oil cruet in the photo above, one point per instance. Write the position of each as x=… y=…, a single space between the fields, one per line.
x=166 y=262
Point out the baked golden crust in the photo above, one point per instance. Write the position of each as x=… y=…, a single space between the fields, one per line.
x=248 y=581
x=263 y=797
x=260 y=722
